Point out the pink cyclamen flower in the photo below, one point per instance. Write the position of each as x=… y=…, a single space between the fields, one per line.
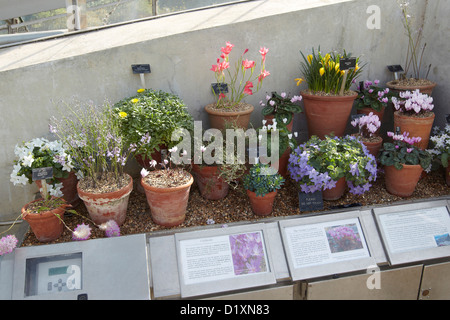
x=248 y=88
x=7 y=244
x=81 y=232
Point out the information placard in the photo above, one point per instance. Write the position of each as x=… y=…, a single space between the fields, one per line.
x=225 y=259
x=326 y=245
x=415 y=232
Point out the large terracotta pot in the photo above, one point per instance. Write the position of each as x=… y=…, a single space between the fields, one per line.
x=211 y=186
x=402 y=182
x=262 y=206
x=327 y=115
x=45 y=225
x=69 y=189
x=219 y=118
x=103 y=207
x=417 y=127
x=335 y=193
x=425 y=89
x=168 y=205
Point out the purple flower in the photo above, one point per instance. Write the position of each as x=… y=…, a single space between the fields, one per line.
x=7 y=244
x=81 y=232
x=111 y=228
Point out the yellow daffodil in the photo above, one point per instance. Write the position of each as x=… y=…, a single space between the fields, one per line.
x=122 y=114
x=140 y=90
x=135 y=100
x=322 y=71
x=310 y=57
x=299 y=81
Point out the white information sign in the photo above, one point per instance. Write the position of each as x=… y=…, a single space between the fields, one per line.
x=326 y=242
x=222 y=257
x=416 y=229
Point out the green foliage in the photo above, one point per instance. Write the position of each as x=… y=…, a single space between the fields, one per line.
x=262 y=179
x=400 y=153
x=156 y=113
x=281 y=107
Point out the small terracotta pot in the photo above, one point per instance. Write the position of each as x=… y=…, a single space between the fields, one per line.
x=402 y=182
x=270 y=117
x=219 y=118
x=417 y=127
x=45 y=225
x=327 y=115
x=262 y=206
x=427 y=89
x=168 y=205
x=211 y=186
x=69 y=189
x=374 y=147
x=335 y=193
x=103 y=207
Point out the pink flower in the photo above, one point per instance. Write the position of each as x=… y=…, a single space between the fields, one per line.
x=263 y=75
x=248 y=64
x=226 y=51
x=263 y=52
x=111 y=228
x=222 y=96
x=7 y=244
x=248 y=88
x=81 y=232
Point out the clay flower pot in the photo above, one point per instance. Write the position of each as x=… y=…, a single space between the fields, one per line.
x=261 y=206
x=402 y=182
x=168 y=205
x=69 y=189
x=211 y=186
x=416 y=126
x=374 y=146
x=218 y=118
x=45 y=225
x=425 y=89
x=107 y=206
x=335 y=193
x=327 y=115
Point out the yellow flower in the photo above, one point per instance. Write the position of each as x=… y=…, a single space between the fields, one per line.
x=299 y=81
x=310 y=57
x=135 y=100
x=327 y=57
x=322 y=71
x=357 y=67
x=140 y=90
x=342 y=72
x=337 y=67
x=122 y=114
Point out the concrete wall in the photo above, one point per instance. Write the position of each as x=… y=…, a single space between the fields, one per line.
x=181 y=49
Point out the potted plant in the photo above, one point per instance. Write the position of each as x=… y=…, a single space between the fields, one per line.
x=440 y=151
x=167 y=190
x=93 y=138
x=328 y=101
x=282 y=108
x=368 y=126
x=42 y=153
x=414 y=58
x=147 y=121
x=275 y=138
x=403 y=163
x=372 y=98
x=326 y=165
x=230 y=93
x=414 y=115
x=262 y=184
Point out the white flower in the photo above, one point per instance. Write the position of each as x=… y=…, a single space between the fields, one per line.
x=290 y=135
x=174 y=149
x=56 y=190
x=28 y=160
x=153 y=163
x=144 y=172
x=284 y=120
x=296 y=134
x=79 y=175
x=202 y=148
x=15 y=179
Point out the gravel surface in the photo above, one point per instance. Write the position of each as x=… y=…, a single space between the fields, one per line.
x=236 y=207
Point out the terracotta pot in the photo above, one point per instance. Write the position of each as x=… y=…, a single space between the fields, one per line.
x=417 y=127
x=45 y=225
x=335 y=193
x=69 y=189
x=168 y=205
x=374 y=147
x=402 y=182
x=327 y=115
x=270 y=117
x=219 y=118
x=103 y=207
x=427 y=89
x=144 y=161
x=211 y=186
x=262 y=206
